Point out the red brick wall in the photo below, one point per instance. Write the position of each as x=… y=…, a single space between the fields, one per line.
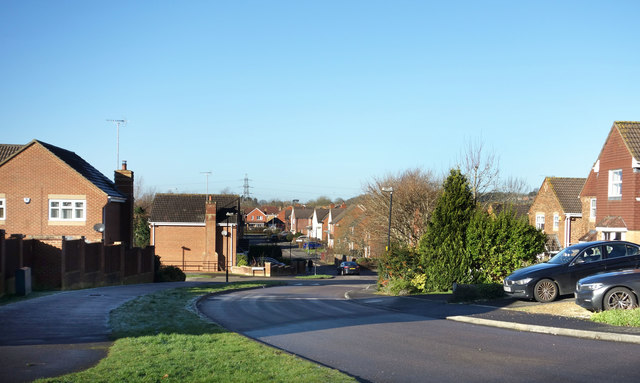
x=615 y=155
x=36 y=173
x=169 y=240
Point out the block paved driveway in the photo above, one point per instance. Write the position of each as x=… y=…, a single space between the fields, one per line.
x=64 y=332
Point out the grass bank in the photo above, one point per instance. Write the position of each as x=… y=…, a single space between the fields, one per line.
x=627 y=318
x=159 y=338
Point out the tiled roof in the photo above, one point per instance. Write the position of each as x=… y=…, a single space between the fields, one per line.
x=303 y=213
x=190 y=208
x=322 y=214
x=630 y=132
x=568 y=192
x=7 y=151
x=74 y=161
x=85 y=169
x=270 y=209
x=612 y=222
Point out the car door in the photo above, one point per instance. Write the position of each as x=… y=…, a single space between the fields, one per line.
x=620 y=256
x=590 y=261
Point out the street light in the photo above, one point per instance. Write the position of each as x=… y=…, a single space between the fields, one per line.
x=229 y=238
x=389 y=189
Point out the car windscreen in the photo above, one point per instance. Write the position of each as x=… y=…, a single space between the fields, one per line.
x=565 y=256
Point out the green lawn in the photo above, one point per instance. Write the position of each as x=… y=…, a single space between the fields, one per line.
x=317 y=276
x=628 y=318
x=159 y=338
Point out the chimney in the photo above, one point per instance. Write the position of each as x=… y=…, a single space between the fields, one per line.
x=124 y=183
x=210 y=228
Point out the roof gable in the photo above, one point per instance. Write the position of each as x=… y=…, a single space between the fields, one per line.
x=6 y=151
x=567 y=190
x=72 y=160
x=630 y=132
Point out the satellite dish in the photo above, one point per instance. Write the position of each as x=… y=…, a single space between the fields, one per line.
x=99 y=227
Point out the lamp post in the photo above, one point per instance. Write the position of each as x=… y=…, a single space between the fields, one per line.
x=390 y=190
x=229 y=238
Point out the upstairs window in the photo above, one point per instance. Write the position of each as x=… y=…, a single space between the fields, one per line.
x=615 y=184
x=2 y=209
x=556 y=221
x=592 y=209
x=540 y=221
x=67 y=210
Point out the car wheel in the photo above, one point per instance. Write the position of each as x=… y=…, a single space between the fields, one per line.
x=545 y=291
x=619 y=298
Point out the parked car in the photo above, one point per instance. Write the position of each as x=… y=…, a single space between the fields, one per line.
x=274 y=262
x=348 y=268
x=311 y=245
x=302 y=238
x=615 y=290
x=558 y=276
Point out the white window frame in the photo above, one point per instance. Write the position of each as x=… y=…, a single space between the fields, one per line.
x=3 y=209
x=556 y=221
x=592 y=208
x=540 y=221
x=57 y=212
x=615 y=183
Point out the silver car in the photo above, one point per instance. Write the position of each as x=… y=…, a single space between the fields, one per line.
x=616 y=290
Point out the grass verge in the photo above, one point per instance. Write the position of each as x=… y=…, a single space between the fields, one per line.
x=627 y=318
x=317 y=276
x=159 y=338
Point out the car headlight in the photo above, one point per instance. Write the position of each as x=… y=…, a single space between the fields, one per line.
x=522 y=281
x=590 y=286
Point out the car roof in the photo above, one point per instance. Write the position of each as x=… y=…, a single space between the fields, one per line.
x=583 y=245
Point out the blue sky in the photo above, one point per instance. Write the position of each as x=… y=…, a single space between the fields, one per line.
x=312 y=98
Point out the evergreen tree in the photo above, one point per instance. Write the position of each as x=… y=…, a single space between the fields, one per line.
x=141 y=232
x=443 y=247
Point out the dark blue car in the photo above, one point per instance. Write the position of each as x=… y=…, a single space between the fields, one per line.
x=311 y=245
x=558 y=276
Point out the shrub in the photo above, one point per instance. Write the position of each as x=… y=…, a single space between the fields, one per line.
x=242 y=259
x=367 y=263
x=169 y=274
x=483 y=291
x=400 y=287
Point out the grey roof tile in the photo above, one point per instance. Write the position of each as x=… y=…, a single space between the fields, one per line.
x=568 y=192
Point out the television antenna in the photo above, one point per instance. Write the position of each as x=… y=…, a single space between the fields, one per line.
x=118 y=123
x=207 y=174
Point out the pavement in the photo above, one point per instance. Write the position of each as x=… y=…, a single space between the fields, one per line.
x=68 y=331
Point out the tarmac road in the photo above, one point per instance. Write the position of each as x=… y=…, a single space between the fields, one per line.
x=384 y=344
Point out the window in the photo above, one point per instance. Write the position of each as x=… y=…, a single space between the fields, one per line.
x=556 y=221
x=592 y=254
x=2 y=208
x=259 y=218
x=615 y=183
x=592 y=210
x=616 y=251
x=540 y=221
x=67 y=210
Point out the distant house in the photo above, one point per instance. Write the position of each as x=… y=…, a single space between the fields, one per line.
x=196 y=232
x=302 y=220
x=47 y=192
x=557 y=210
x=318 y=223
x=611 y=194
x=256 y=218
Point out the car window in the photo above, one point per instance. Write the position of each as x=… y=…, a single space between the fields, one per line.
x=565 y=256
x=616 y=250
x=591 y=254
x=632 y=250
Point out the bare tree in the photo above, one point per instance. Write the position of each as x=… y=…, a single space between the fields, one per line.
x=414 y=197
x=480 y=166
x=513 y=188
x=143 y=196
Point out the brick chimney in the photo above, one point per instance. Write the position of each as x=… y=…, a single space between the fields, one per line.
x=124 y=182
x=210 y=229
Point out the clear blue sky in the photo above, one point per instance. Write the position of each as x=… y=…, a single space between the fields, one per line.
x=314 y=98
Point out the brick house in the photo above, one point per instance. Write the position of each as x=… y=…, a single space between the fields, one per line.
x=256 y=218
x=301 y=220
x=611 y=194
x=47 y=192
x=196 y=232
x=557 y=210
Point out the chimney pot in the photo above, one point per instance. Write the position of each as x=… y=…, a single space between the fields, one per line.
x=124 y=165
